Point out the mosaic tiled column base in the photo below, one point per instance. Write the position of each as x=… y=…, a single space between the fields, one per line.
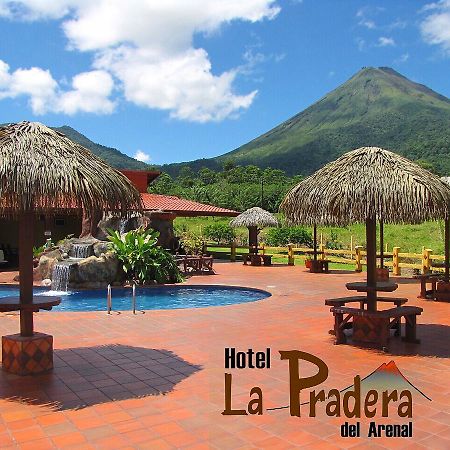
x=371 y=330
x=27 y=355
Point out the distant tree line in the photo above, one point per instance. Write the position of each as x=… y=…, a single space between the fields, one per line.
x=234 y=187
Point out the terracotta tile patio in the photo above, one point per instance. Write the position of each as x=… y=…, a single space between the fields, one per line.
x=156 y=380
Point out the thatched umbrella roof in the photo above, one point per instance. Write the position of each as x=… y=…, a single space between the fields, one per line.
x=42 y=169
x=368 y=183
x=364 y=185
x=254 y=217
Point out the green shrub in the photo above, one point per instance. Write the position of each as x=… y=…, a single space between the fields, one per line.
x=220 y=233
x=333 y=243
x=289 y=235
x=192 y=243
x=143 y=260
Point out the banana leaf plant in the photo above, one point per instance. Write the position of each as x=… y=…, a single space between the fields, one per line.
x=143 y=260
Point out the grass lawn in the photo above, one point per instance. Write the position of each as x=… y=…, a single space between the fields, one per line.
x=410 y=238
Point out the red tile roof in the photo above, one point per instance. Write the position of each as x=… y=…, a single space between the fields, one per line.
x=182 y=207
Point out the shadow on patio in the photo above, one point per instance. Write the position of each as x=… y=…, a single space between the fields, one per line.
x=90 y=375
x=434 y=342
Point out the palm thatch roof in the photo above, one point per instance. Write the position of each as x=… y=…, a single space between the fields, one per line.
x=254 y=217
x=368 y=182
x=42 y=169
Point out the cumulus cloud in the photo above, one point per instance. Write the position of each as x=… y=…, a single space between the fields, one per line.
x=147 y=46
x=435 y=27
x=384 y=41
x=89 y=94
x=142 y=156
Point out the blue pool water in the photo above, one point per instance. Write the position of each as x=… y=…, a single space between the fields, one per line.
x=162 y=297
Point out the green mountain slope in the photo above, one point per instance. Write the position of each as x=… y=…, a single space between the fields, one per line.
x=112 y=156
x=376 y=107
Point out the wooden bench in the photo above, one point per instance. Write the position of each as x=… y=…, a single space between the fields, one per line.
x=267 y=260
x=362 y=300
x=372 y=327
x=253 y=258
x=196 y=264
x=256 y=259
x=424 y=280
x=442 y=291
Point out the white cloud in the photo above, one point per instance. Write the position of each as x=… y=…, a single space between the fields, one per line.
x=89 y=94
x=397 y=24
x=364 y=21
x=361 y=43
x=148 y=47
x=91 y=91
x=435 y=27
x=142 y=156
x=403 y=58
x=384 y=41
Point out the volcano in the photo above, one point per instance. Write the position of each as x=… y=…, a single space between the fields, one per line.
x=376 y=107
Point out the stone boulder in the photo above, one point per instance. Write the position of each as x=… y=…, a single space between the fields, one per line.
x=102 y=247
x=110 y=223
x=46 y=263
x=96 y=271
x=123 y=225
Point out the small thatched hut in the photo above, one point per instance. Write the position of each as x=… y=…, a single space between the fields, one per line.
x=366 y=185
x=254 y=219
x=41 y=170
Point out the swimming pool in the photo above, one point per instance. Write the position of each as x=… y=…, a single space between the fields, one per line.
x=161 y=297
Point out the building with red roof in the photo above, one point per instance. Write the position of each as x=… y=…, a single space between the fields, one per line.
x=182 y=207
x=170 y=203
x=160 y=210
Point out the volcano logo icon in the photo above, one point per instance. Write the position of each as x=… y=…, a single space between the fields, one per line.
x=387 y=376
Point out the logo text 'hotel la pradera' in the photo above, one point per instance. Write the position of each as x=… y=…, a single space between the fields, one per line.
x=383 y=393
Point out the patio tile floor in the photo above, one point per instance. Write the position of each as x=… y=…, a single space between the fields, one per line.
x=156 y=380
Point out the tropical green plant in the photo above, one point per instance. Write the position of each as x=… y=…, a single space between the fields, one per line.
x=37 y=251
x=220 y=233
x=143 y=260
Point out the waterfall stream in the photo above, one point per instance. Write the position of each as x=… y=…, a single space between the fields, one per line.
x=81 y=250
x=60 y=277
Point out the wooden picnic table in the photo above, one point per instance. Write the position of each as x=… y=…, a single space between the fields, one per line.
x=39 y=302
x=256 y=259
x=380 y=286
x=197 y=264
x=372 y=327
x=362 y=300
x=427 y=278
x=319 y=266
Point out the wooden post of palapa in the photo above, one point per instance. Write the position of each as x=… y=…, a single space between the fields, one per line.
x=447 y=247
x=233 y=251
x=253 y=239
x=26 y=241
x=371 y=257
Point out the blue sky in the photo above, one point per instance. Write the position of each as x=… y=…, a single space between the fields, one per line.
x=180 y=80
